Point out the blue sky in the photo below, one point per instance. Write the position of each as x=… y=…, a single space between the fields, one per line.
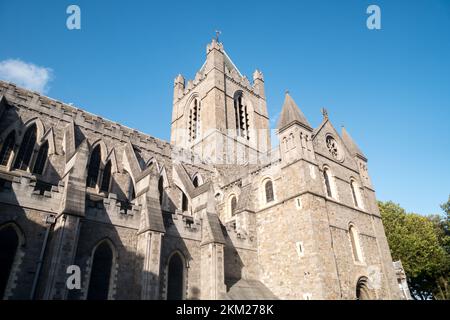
x=390 y=87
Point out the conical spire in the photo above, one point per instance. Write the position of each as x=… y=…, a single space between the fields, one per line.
x=291 y=114
x=351 y=145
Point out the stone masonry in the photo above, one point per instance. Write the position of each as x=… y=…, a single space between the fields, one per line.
x=217 y=213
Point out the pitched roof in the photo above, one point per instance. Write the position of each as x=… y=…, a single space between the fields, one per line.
x=245 y=202
x=243 y=289
x=229 y=64
x=350 y=144
x=291 y=113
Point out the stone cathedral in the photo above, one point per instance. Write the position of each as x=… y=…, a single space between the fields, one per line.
x=91 y=209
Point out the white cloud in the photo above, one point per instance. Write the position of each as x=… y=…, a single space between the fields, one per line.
x=26 y=75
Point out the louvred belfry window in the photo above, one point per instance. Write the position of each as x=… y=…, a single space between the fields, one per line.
x=194 y=120
x=241 y=116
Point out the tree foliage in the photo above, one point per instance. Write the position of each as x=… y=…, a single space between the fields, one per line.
x=420 y=243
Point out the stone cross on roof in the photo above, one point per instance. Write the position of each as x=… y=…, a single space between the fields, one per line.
x=218 y=33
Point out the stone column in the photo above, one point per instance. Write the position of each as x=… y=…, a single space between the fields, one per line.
x=63 y=247
x=212 y=271
x=149 y=248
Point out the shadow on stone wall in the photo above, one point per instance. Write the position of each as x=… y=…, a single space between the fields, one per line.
x=22 y=284
x=31 y=274
x=174 y=242
x=232 y=261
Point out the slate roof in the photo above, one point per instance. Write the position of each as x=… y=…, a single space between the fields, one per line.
x=248 y=290
x=350 y=144
x=290 y=114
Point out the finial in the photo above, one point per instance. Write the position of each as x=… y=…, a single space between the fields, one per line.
x=286 y=91
x=218 y=33
x=325 y=113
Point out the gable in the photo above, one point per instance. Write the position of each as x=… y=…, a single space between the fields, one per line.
x=320 y=145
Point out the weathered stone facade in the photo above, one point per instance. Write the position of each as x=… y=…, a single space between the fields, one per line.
x=215 y=214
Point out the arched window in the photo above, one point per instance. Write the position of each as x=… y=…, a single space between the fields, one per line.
x=94 y=167
x=241 y=116
x=106 y=180
x=268 y=188
x=362 y=289
x=101 y=268
x=131 y=192
x=26 y=149
x=285 y=143
x=233 y=205
x=184 y=202
x=175 y=278
x=291 y=141
x=41 y=159
x=354 y=240
x=161 y=189
x=352 y=187
x=9 y=243
x=194 y=120
x=195 y=182
x=326 y=177
x=7 y=148
x=128 y=194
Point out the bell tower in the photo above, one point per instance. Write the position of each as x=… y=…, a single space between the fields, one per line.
x=220 y=114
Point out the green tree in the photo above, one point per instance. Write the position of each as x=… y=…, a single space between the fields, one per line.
x=446 y=207
x=413 y=239
x=442 y=226
x=445 y=224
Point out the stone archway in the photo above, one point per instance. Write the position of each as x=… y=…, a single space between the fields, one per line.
x=9 y=245
x=175 y=278
x=362 y=289
x=100 y=277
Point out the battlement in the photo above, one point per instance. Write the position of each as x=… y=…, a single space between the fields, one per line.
x=59 y=110
x=111 y=210
x=27 y=191
x=54 y=109
x=179 y=225
x=183 y=88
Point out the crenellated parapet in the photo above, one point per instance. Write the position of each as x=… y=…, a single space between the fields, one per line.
x=239 y=237
x=179 y=225
x=26 y=191
x=31 y=104
x=112 y=210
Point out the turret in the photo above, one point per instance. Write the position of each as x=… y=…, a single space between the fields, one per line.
x=214 y=56
x=358 y=155
x=178 y=88
x=294 y=132
x=258 y=83
x=219 y=114
x=351 y=145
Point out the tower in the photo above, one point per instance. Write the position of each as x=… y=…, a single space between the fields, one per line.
x=219 y=114
x=294 y=132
